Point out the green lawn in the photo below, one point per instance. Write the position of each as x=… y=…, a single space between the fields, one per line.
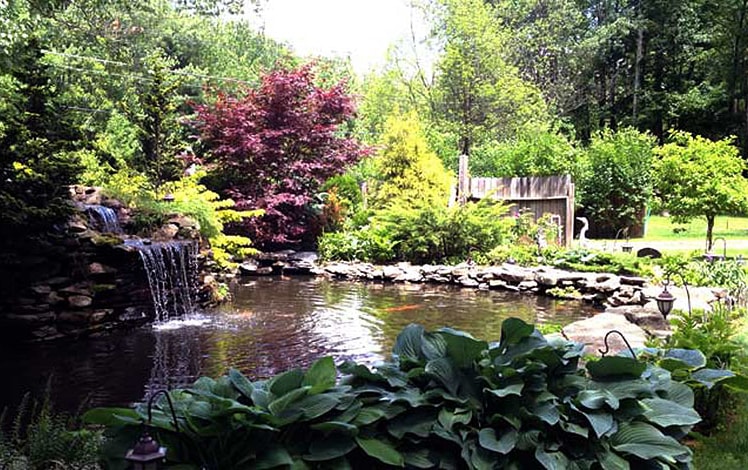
x=662 y=228
x=728 y=448
x=667 y=237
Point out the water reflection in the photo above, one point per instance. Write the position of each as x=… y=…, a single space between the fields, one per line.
x=272 y=325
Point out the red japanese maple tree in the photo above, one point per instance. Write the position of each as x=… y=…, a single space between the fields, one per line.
x=274 y=146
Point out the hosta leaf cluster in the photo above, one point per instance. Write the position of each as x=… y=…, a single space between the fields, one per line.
x=445 y=400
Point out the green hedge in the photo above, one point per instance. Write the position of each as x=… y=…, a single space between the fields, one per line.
x=445 y=400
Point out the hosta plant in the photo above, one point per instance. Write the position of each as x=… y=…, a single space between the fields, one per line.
x=444 y=400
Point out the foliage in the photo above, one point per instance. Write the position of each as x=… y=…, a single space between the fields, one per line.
x=275 y=146
x=615 y=183
x=581 y=259
x=407 y=169
x=445 y=400
x=697 y=177
x=40 y=438
x=701 y=351
x=420 y=232
x=37 y=144
x=536 y=150
x=477 y=94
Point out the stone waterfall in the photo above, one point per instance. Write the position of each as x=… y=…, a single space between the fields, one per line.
x=171 y=268
x=104 y=218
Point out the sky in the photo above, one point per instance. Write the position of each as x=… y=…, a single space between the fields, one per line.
x=359 y=29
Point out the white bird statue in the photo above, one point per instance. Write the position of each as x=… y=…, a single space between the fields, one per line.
x=583 y=232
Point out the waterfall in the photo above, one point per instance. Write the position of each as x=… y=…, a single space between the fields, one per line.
x=104 y=218
x=171 y=268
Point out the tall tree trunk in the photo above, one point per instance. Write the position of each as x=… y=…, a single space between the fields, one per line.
x=709 y=231
x=637 y=73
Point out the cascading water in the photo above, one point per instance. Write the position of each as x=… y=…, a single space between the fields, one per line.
x=105 y=218
x=171 y=268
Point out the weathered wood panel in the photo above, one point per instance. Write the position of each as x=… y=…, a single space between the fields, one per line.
x=537 y=194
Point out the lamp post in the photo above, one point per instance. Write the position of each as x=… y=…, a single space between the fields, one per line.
x=665 y=299
x=147 y=453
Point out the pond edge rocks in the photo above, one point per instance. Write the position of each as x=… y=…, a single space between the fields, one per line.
x=627 y=302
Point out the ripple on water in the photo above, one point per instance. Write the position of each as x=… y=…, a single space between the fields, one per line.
x=272 y=325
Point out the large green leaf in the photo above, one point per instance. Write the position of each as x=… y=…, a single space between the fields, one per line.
x=462 y=348
x=601 y=421
x=514 y=330
x=635 y=388
x=646 y=442
x=503 y=445
x=336 y=427
x=408 y=343
x=668 y=413
x=420 y=458
x=616 y=366
x=315 y=406
x=321 y=375
x=709 y=377
x=445 y=372
x=504 y=391
x=285 y=382
x=272 y=457
x=279 y=405
x=692 y=358
x=596 y=399
x=552 y=460
x=361 y=371
x=609 y=460
x=448 y=419
x=738 y=382
x=419 y=421
x=242 y=384
x=381 y=450
x=434 y=346
x=329 y=448
x=679 y=393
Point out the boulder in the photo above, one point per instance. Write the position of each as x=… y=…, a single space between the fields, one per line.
x=646 y=316
x=80 y=301
x=389 y=273
x=98 y=268
x=591 y=332
x=516 y=274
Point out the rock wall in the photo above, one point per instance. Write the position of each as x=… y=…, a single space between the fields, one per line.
x=85 y=283
x=78 y=281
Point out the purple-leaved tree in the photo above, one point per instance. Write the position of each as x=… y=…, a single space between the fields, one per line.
x=274 y=146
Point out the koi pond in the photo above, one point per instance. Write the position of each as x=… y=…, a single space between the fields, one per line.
x=273 y=324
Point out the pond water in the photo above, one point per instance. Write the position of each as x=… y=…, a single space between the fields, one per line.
x=272 y=325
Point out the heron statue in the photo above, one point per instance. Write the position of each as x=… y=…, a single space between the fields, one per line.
x=583 y=232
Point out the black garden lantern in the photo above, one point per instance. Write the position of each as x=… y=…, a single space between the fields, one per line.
x=168 y=197
x=665 y=301
x=147 y=453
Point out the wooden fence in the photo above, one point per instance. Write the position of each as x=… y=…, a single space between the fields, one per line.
x=538 y=194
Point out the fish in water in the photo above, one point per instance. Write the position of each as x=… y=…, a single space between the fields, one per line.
x=403 y=308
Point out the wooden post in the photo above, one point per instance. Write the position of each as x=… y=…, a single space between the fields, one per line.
x=463 y=180
x=569 y=212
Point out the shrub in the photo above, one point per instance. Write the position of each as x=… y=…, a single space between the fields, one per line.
x=445 y=400
x=408 y=170
x=581 y=259
x=274 y=147
x=419 y=232
x=615 y=182
x=537 y=150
